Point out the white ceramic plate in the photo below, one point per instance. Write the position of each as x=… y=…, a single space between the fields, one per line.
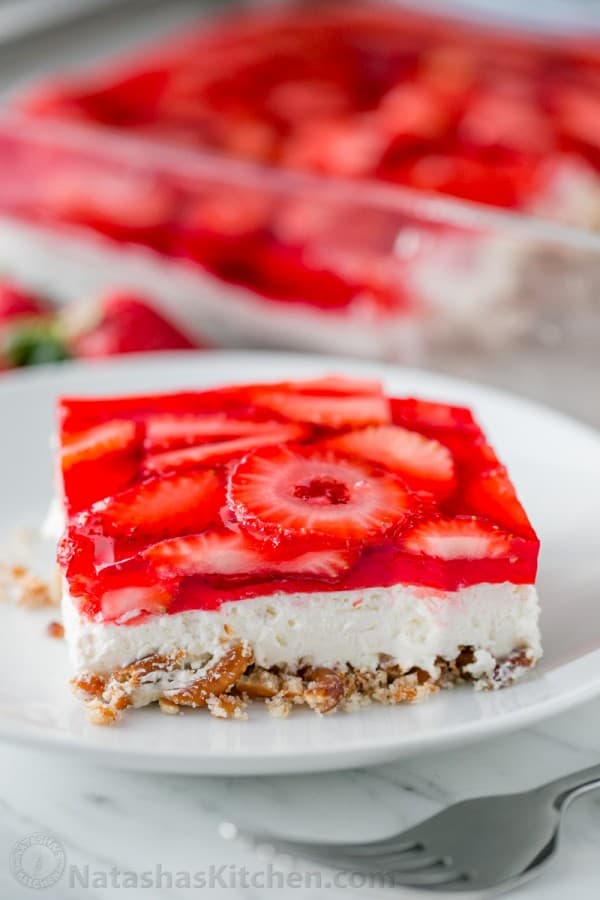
x=555 y=463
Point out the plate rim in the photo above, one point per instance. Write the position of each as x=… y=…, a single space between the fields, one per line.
x=217 y=763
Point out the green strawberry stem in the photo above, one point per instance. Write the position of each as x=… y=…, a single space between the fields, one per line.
x=32 y=342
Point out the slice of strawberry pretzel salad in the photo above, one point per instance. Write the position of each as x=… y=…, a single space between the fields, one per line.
x=313 y=542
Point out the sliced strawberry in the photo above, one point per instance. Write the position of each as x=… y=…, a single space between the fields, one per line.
x=230 y=553
x=460 y=538
x=467 y=177
x=250 y=137
x=128 y=603
x=325 y=564
x=347 y=147
x=163 y=506
x=301 y=100
x=171 y=432
x=114 y=436
x=491 y=494
x=99 y=462
x=75 y=552
x=497 y=119
x=117 y=204
x=287 y=273
x=221 y=451
x=77 y=413
x=425 y=464
x=280 y=492
x=334 y=410
x=578 y=112
x=449 y=70
x=429 y=417
x=220 y=227
x=452 y=426
x=337 y=385
x=412 y=112
x=211 y=553
x=228 y=214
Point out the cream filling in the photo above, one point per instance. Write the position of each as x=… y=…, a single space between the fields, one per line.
x=412 y=625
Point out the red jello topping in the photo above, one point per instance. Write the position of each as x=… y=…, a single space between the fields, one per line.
x=184 y=501
x=354 y=90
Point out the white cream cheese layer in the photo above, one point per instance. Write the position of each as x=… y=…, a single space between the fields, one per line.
x=412 y=625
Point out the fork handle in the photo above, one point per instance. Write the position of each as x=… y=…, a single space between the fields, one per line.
x=565 y=789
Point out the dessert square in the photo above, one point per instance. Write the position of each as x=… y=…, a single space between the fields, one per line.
x=308 y=542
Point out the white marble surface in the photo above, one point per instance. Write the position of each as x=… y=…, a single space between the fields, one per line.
x=106 y=819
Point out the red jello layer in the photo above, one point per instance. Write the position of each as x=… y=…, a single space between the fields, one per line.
x=187 y=500
x=351 y=89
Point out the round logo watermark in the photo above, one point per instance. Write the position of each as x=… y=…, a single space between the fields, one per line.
x=37 y=860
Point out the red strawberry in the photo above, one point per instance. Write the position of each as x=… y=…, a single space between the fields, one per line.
x=302 y=100
x=430 y=417
x=16 y=303
x=578 y=112
x=171 y=432
x=449 y=71
x=325 y=564
x=497 y=119
x=347 y=147
x=452 y=426
x=289 y=273
x=115 y=436
x=229 y=214
x=412 y=112
x=335 y=385
x=467 y=177
x=491 y=494
x=229 y=553
x=460 y=538
x=247 y=136
x=222 y=451
x=220 y=227
x=425 y=464
x=129 y=325
x=100 y=461
x=279 y=492
x=116 y=204
x=327 y=410
x=126 y=604
x=163 y=506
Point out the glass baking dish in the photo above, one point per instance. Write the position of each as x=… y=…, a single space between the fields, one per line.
x=252 y=252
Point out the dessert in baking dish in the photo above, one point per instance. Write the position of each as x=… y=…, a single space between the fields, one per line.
x=182 y=169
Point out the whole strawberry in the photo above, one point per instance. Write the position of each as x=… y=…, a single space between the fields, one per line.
x=28 y=333
x=128 y=324
x=16 y=303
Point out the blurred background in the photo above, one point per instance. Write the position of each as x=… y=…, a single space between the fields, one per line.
x=417 y=184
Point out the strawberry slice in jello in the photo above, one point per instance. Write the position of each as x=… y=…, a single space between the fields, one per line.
x=312 y=542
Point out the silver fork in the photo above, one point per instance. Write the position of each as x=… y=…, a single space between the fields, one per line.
x=473 y=845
